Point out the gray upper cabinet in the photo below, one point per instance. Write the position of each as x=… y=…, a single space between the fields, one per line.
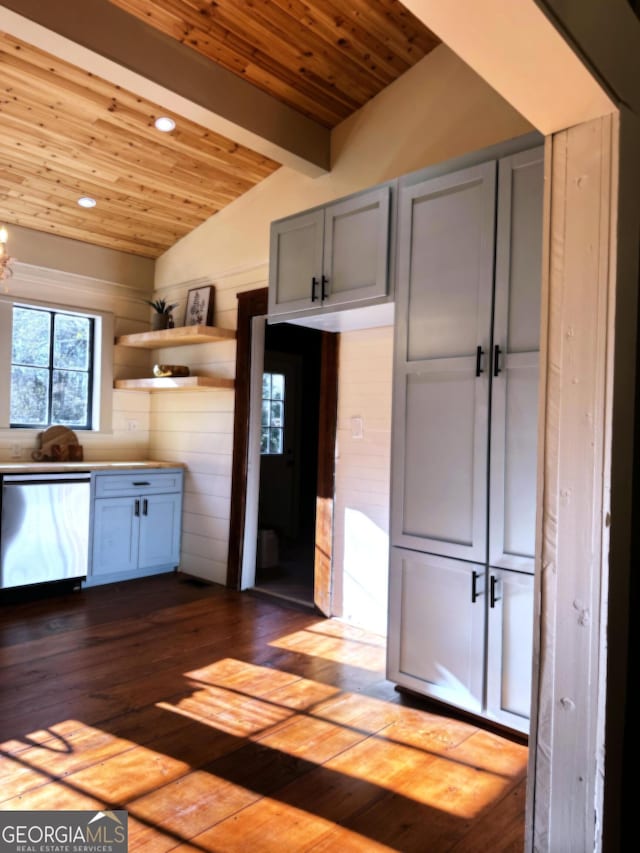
x=332 y=258
x=443 y=338
x=356 y=249
x=295 y=262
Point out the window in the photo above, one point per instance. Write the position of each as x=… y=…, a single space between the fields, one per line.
x=51 y=368
x=272 y=424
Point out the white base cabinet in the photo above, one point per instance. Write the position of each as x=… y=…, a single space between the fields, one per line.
x=137 y=521
x=438 y=646
x=509 y=647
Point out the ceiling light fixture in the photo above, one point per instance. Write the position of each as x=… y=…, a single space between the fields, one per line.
x=5 y=261
x=164 y=124
x=87 y=201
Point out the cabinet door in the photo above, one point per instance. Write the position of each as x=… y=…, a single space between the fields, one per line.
x=441 y=393
x=115 y=535
x=295 y=263
x=356 y=248
x=160 y=524
x=510 y=648
x=514 y=392
x=436 y=627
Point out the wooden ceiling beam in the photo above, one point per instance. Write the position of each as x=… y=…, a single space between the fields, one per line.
x=98 y=36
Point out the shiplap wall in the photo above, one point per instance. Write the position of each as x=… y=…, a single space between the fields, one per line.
x=196 y=428
x=361 y=519
x=127 y=437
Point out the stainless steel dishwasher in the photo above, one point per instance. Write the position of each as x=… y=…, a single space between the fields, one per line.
x=44 y=532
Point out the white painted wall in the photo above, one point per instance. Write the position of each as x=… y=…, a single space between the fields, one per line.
x=438 y=110
x=361 y=513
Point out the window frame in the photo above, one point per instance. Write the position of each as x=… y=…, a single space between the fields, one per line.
x=51 y=367
x=270 y=426
x=101 y=398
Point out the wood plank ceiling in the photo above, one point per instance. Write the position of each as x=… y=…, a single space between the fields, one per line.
x=67 y=133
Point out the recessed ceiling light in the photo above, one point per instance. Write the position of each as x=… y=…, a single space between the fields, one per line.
x=86 y=201
x=165 y=124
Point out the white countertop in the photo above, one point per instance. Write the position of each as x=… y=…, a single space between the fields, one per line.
x=86 y=465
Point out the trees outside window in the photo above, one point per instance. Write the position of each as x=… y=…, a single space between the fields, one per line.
x=272 y=424
x=51 y=368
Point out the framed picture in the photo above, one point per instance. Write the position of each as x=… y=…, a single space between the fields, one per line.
x=199 y=311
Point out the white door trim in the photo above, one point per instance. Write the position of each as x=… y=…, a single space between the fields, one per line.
x=250 y=539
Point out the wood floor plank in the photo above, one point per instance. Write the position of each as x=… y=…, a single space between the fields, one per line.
x=223 y=722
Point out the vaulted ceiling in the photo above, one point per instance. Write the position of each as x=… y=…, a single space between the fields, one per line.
x=251 y=84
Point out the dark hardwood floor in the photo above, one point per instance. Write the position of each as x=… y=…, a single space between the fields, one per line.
x=224 y=722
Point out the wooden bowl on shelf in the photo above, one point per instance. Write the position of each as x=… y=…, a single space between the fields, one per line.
x=160 y=370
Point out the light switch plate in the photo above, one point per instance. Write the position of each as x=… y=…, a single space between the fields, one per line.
x=357 y=427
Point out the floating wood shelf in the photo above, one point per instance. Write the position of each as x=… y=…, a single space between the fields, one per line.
x=174 y=383
x=178 y=337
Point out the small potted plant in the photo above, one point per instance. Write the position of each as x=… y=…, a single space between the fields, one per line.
x=162 y=316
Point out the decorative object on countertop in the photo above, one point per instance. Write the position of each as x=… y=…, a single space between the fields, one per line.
x=200 y=301
x=58 y=444
x=161 y=370
x=163 y=309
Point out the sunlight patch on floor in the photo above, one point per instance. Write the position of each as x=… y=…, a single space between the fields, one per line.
x=235 y=713
x=208 y=782
x=342 y=650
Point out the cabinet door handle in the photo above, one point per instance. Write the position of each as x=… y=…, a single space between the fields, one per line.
x=314 y=284
x=474 y=586
x=323 y=292
x=145 y=506
x=136 y=510
x=493 y=598
x=479 y=354
x=496 y=360
x=141 y=484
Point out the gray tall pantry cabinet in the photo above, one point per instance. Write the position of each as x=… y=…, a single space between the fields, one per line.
x=464 y=436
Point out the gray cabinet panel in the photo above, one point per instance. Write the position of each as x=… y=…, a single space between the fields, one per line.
x=520 y=458
x=436 y=628
x=160 y=531
x=441 y=395
x=356 y=248
x=444 y=460
x=510 y=648
x=514 y=393
x=115 y=536
x=446 y=239
x=295 y=260
x=519 y=247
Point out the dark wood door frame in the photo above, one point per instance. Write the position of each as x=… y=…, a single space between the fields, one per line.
x=253 y=303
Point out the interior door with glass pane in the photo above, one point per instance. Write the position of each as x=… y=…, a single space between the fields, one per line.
x=279 y=444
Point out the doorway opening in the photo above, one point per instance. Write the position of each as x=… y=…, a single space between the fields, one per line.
x=288 y=462
x=245 y=480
